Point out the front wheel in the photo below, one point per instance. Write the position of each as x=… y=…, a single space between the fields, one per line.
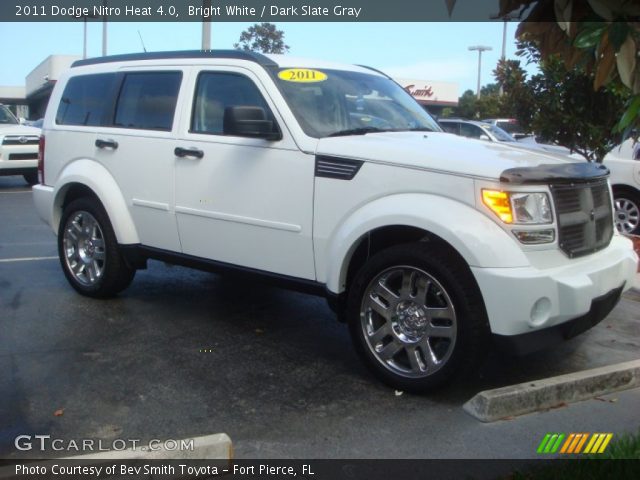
x=31 y=178
x=416 y=316
x=88 y=250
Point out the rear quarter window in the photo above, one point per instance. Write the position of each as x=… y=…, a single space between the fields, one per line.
x=83 y=101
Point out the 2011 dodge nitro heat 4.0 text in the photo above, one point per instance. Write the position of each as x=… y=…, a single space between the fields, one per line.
x=330 y=179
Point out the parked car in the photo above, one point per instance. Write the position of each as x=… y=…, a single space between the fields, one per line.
x=330 y=179
x=624 y=163
x=18 y=147
x=509 y=125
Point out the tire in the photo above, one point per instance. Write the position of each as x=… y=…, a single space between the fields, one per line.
x=627 y=211
x=88 y=250
x=390 y=308
x=31 y=178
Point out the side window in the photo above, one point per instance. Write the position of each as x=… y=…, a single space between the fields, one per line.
x=469 y=130
x=84 y=100
x=217 y=91
x=147 y=100
x=451 y=127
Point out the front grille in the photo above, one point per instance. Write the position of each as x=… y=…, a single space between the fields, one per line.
x=20 y=140
x=585 y=217
x=23 y=156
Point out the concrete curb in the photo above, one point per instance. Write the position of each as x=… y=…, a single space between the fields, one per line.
x=209 y=447
x=514 y=400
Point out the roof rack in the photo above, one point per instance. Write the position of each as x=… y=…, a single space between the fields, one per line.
x=232 y=54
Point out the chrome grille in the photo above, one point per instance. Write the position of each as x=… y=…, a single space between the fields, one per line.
x=20 y=140
x=585 y=217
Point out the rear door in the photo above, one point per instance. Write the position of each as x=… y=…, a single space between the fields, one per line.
x=137 y=148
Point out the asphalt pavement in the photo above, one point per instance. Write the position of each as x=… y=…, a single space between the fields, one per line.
x=183 y=353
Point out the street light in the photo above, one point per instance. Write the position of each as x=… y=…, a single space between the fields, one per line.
x=206 y=25
x=480 y=49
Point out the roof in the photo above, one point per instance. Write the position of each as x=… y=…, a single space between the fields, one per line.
x=180 y=54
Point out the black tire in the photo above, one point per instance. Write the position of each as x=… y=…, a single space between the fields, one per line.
x=87 y=243
x=627 y=210
x=31 y=178
x=435 y=282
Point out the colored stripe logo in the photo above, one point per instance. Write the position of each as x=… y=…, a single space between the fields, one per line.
x=574 y=443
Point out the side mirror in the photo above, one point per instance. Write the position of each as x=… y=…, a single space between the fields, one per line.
x=484 y=137
x=248 y=122
x=22 y=120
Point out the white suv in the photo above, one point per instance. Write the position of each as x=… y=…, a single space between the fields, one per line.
x=330 y=179
x=18 y=147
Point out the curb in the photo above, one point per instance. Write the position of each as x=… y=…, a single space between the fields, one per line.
x=514 y=400
x=210 y=447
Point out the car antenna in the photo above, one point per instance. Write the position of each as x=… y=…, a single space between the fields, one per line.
x=142 y=42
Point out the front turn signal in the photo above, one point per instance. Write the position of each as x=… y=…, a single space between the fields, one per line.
x=499 y=203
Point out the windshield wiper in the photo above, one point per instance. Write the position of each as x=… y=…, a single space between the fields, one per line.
x=357 y=131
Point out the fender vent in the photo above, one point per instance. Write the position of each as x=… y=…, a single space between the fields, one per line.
x=335 y=167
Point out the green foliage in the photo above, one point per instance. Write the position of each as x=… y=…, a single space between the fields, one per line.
x=262 y=37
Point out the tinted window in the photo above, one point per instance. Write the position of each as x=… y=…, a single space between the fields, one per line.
x=450 y=127
x=84 y=100
x=217 y=91
x=470 y=130
x=148 y=100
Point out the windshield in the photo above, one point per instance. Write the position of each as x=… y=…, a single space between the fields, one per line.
x=510 y=126
x=6 y=117
x=500 y=134
x=337 y=102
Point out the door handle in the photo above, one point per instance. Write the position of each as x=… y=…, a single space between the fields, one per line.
x=188 y=152
x=112 y=144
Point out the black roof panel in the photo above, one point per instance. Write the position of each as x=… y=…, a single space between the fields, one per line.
x=179 y=54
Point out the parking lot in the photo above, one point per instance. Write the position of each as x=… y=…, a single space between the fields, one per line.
x=184 y=353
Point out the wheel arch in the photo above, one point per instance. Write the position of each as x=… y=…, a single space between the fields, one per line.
x=474 y=238
x=87 y=178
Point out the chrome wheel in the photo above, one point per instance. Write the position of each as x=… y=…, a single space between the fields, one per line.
x=408 y=321
x=84 y=248
x=627 y=215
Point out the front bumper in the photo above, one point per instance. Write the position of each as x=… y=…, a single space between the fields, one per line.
x=522 y=301
x=538 y=339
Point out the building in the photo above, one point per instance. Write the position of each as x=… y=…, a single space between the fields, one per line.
x=433 y=96
x=30 y=101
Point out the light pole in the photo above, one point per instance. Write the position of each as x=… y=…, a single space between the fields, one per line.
x=104 y=29
x=206 y=25
x=480 y=49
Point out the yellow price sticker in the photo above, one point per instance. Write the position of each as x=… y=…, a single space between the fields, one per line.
x=302 y=75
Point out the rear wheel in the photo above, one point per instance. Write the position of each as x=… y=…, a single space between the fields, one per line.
x=89 y=252
x=627 y=214
x=416 y=316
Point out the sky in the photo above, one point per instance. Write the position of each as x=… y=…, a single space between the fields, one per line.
x=435 y=51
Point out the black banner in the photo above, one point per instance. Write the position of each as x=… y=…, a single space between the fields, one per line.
x=248 y=10
x=317 y=469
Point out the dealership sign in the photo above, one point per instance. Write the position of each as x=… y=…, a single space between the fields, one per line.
x=431 y=93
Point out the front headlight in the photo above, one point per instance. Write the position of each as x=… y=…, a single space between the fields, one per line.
x=522 y=208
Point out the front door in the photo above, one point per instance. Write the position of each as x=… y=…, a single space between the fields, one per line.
x=240 y=200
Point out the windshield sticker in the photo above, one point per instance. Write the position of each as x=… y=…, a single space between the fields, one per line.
x=302 y=75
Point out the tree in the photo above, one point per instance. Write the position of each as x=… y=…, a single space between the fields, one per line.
x=597 y=37
x=262 y=37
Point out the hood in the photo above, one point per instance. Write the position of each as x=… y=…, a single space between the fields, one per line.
x=7 y=129
x=438 y=151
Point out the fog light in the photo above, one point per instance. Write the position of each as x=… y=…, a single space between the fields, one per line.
x=540 y=311
x=535 y=237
